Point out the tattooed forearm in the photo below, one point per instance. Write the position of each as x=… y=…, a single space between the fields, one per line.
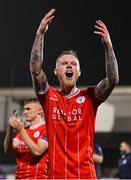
x=36 y=55
x=38 y=76
x=111 y=66
x=105 y=87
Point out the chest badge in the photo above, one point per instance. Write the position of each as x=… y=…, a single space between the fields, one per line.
x=80 y=99
x=36 y=134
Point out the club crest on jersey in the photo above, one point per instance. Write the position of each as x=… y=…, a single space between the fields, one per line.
x=36 y=134
x=80 y=99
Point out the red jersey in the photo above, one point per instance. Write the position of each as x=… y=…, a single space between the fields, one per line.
x=28 y=166
x=70 y=131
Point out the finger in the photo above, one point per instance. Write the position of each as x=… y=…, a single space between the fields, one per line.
x=99 y=29
x=14 y=122
x=13 y=118
x=50 y=13
x=45 y=22
x=48 y=21
x=11 y=123
x=101 y=24
x=99 y=33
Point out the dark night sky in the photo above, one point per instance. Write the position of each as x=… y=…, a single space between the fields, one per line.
x=72 y=28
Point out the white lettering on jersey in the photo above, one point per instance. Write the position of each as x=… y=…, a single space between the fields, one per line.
x=22 y=146
x=73 y=115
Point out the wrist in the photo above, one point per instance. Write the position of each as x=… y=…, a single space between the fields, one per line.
x=39 y=34
x=10 y=128
x=108 y=46
x=22 y=130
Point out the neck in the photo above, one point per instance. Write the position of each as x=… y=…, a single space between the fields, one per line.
x=68 y=90
x=36 y=121
x=128 y=151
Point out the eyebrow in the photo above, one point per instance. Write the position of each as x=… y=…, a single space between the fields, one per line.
x=27 y=108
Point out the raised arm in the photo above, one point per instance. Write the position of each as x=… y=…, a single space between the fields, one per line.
x=105 y=86
x=35 y=148
x=8 y=141
x=38 y=76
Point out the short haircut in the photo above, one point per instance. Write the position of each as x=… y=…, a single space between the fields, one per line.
x=67 y=52
x=31 y=100
x=127 y=142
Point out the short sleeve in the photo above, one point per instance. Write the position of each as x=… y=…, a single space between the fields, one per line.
x=91 y=93
x=44 y=139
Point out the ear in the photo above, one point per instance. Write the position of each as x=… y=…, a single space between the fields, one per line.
x=40 y=110
x=55 y=72
x=80 y=73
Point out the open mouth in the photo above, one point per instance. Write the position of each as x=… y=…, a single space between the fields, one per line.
x=69 y=74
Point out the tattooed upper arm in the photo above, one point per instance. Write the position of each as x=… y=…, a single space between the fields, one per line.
x=38 y=76
x=103 y=90
x=105 y=87
x=39 y=81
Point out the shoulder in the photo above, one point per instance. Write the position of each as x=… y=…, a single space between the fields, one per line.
x=42 y=126
x=43 y=96
x=92 y=93
x=41 y=129
x=89 y=92
x=49 y=90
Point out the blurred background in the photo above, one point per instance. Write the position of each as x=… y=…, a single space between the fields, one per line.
x=72 y=28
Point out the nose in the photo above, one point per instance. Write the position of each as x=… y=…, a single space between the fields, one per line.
x=25 y=111
x=69 y=65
